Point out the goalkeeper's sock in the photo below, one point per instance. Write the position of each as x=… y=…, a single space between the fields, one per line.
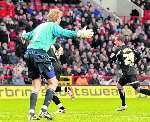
x=122 y=97
x=48 y=97
x=145 y=91
x=33 y=100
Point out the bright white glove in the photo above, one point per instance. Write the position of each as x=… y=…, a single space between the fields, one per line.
x=58 y=52
x=22 y=35
x=85 y=33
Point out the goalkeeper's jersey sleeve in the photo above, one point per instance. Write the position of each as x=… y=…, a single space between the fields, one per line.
x=58 y=31
x=45 y=35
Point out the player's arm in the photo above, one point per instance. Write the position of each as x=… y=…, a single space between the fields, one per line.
x=59 y=49
x=58 y=31
x=55 y=52
x=114 y=56
x=138 y=56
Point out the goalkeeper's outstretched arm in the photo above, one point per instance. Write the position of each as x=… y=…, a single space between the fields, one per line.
x=58 y=31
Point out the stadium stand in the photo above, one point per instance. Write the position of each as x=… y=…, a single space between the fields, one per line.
x=144 y=4
x=89 y=56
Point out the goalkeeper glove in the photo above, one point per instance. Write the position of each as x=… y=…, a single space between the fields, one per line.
x=22 y=37
x=85 y=33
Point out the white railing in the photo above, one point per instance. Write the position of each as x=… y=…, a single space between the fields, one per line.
x=119 y=7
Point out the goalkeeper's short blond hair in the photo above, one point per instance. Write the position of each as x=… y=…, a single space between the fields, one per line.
x=54 y=14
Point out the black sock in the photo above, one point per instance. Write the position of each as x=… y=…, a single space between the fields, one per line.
x=33 y=99
x=48 y=97
x=122 y=97
x=62 y=108
x=58 y=89
x=65 y=89
x=56 y=100
x=61 y=88
x=145 y=91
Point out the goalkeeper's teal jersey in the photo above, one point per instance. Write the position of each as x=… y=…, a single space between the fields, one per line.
x=45 y=35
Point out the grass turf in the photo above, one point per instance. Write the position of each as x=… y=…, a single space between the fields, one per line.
x=80 y=110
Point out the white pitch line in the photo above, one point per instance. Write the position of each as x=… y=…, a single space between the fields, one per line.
x=106 y=115
x=23 y=115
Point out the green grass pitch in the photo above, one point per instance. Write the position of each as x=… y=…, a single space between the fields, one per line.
x=80 y=110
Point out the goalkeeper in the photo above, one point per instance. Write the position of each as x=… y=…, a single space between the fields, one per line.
x=38 y=61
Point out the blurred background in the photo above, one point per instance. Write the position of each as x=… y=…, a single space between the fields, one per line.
x=85 y=61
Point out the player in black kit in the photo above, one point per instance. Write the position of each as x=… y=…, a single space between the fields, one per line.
x=126 y=58
x=54 y=53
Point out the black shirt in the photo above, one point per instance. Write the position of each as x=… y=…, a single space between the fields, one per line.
x=126 y=58
x=55 y=61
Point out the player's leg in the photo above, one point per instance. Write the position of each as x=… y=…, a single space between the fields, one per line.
x=36 y=84
x=61 y=108
x=136 y=85
x=50 y=92
x=70 y=92
x=34 y=74
x=67 y=89
x=56 y=100
x=144 y=91
x=121 y=91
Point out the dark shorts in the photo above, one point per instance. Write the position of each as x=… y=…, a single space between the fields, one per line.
x=39 y=63
x=129 y=79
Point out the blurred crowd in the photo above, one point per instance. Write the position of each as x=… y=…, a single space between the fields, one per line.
x=144 y=4
x=86 y=58
x=61 y=1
